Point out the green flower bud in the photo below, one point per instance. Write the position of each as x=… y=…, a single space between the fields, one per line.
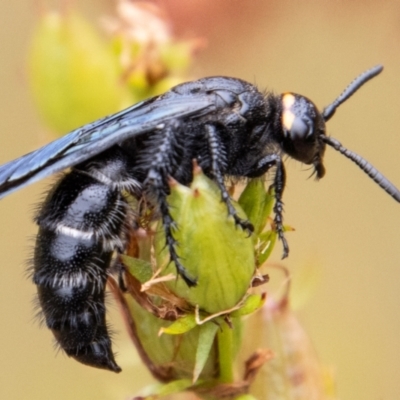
x=73 y=73
x=211 y=247
x=196 y=345
x=178 y=56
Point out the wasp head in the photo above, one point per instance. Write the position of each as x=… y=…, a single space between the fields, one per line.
x=303 y=127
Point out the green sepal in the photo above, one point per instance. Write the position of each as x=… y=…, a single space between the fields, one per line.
x=206 y=339
x=265 y=245
x=257 y=203
x=181 y=325
x=158 y=391
x=252 y=303
x=140 y=269
x=174 y=387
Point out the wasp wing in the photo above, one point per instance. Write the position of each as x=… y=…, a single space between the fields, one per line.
x=91 y=139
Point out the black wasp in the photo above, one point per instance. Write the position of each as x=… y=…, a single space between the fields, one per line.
x=226 y=124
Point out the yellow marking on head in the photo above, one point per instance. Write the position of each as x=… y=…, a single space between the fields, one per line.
x=287 y=114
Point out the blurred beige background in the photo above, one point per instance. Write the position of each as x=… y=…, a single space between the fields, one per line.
x=344 y=224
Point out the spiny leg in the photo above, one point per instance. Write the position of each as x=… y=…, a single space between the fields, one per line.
x=157 y=181
x=269 y=161
x=279 y=185
x=217 y=156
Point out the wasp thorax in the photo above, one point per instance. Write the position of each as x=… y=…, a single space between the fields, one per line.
x=302 y=126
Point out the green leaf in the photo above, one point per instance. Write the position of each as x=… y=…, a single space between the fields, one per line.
x=181 y=325
x=206 y=340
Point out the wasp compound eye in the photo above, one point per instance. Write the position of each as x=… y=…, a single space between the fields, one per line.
x=296 y=121
x=301 y=126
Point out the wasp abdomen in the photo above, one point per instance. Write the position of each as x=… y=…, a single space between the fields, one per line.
x=80 y=226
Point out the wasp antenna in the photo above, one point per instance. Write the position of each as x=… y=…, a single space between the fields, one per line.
x=367 y=167
x=350 y=90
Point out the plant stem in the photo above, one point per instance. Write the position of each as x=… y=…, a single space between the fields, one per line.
x=225 y=351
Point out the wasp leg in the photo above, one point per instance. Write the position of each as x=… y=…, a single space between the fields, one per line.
x=163 y=147
x=121 y=270
x=217 y=154
x=269 y=161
